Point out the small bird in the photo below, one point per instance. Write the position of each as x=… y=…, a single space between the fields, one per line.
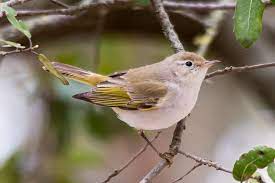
x=151 y=97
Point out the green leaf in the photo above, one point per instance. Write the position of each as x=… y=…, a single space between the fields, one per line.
x=248 y=163
x=8 y=10
x=271 y=171
x=18 y=24
x=248 y=21
x=273 y=1
x=11 y=44
x=49 y=67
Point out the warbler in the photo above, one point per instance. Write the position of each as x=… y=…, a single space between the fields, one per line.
x=151 y=97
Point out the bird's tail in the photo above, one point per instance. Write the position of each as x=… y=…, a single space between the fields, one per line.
x=78 y=74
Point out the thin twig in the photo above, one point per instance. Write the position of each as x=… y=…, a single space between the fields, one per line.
x=239 y=69
x=130 y=161
x=30 y=49
x=142 y=134
x=72 y=10
x=59 y=3
x=173 y=150
x=187 y=173
x=203 y=6
x=16 y=2
x=167 y=27
x=205 y=162
x=192 y=16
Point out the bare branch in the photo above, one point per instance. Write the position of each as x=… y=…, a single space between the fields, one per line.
x=130 y=161
x=72 y=10
x=190 y=171
x=167 y=27
x=205 y=162
x=30 y=48
x=154 y=171
x=191 y=15
x=59 y=3
x=16 y=2
x=171 y=6
x=173 y=150
x=202 y=6
x=239 y=69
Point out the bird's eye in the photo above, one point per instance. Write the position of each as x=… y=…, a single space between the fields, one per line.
x=188 y=63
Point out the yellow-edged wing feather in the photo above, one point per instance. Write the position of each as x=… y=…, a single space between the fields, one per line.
x=140 y=96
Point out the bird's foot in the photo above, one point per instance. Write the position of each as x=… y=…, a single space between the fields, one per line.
x=168 y=157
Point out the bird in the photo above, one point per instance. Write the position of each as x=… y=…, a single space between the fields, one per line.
x=151 y=97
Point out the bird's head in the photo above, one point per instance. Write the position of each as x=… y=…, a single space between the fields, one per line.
x=190 y=65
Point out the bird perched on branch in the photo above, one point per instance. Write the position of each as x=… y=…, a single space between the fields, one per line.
x=151 y=97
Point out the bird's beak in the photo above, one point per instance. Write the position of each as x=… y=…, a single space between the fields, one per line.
x=210 y=63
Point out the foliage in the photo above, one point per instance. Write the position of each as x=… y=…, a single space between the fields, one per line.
x=248 y=163
x=10 y=173
x=248 y=21
x=271 y=171
x=11 y=16
x=142 y=2
x=5 y=43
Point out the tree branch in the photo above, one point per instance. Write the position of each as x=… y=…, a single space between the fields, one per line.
x=203 y=6
x=173 y=150
x=205 y=162
x=16 y=2
x=130 y=161
x=238 y=69
x=190 y=171
x=167 y=27
x=59 y=3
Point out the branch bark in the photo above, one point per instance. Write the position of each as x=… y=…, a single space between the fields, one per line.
x=203 y=6
x=238 y=69
x=170 y=6
x=187 y=173
x=205 y=162
x=167 y=27
x=173 y=150
x=16 y=2
x=59 y=3
x=129 y=162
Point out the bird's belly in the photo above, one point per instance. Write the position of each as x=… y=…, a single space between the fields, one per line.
x=159 y=118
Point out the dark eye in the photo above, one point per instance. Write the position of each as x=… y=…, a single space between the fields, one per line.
x=188 y=63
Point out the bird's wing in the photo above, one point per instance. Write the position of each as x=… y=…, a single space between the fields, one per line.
x=116 y=92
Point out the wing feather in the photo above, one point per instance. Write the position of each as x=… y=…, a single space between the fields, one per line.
x=117 y=92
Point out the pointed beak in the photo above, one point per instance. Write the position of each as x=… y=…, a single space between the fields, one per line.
x=210 y=63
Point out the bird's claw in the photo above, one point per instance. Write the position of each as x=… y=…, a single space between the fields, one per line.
x=167 y=156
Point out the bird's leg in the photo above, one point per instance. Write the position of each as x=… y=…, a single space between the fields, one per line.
x=162 y=155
